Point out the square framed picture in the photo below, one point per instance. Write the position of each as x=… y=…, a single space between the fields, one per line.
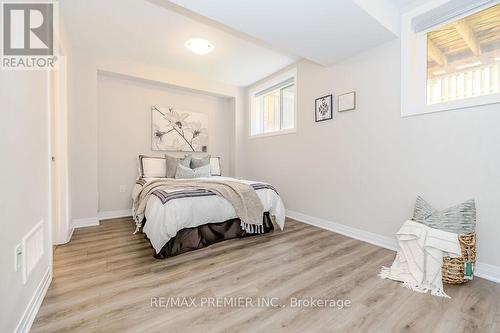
x=323 y=108
x=347 y=102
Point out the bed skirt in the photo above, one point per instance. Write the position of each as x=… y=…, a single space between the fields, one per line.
x=189 y=239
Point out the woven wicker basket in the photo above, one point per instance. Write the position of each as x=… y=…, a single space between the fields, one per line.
x=454 y=268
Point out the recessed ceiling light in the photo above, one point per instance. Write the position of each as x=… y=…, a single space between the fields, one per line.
x=438 y=72
x=199 y=46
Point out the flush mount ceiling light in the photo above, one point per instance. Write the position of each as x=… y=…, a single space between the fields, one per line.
x=199 y=46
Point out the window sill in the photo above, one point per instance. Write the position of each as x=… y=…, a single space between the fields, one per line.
x=452 y=105
x=275 y=133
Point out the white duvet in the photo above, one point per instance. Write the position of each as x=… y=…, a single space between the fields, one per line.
x=165 y=220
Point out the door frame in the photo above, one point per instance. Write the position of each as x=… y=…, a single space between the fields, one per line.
x=58 y=158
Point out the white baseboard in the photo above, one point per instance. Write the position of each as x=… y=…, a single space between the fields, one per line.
x=86 y=222
x=482 y=270
x=113 y=214
x=29 y=314
x=70 y=234
x=362 y=235
x=93 y=221
x=487 y=271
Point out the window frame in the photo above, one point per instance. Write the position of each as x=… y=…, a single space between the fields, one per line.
x=414 y=67
x=275 y=81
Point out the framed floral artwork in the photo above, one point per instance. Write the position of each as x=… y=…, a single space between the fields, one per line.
x=323 y=108
x=177 y=130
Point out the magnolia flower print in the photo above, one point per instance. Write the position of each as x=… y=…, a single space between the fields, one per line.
x=159 y=134
x=175 y=118
x=188 y=135
x=199 y=133
x=177 y=144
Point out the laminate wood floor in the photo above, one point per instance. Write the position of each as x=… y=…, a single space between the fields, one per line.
x=105 y=277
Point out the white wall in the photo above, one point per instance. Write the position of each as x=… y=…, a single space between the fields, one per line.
x=124 y=118
x=365 y=168
x=83 y=118
x=24 y=199
x=82 y=141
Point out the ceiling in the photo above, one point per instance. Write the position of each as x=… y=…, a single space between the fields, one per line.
x=141 y=31
x=322 y=31
x=252 y=39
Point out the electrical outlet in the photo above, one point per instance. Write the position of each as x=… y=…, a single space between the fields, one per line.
x=18 y=257
x=122 y=188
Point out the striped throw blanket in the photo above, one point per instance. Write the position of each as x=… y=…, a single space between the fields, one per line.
x=242 y=197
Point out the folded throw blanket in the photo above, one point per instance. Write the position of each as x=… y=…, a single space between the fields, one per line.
x=242 y=197
x=420 y=258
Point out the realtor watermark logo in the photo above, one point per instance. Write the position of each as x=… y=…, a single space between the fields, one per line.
x=249 y=302
x=28 y=35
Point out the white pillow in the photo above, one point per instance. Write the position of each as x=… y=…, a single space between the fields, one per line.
x=184 y=172
x=215 y=166
x=152 y=166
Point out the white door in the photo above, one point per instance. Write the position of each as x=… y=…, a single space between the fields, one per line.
x=59 y=151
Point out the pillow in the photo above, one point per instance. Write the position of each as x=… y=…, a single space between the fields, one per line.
x=199 y=162
x=185 y=172
x=172 y=162
x=152 y=166
x=215 y=166
x=459 y=219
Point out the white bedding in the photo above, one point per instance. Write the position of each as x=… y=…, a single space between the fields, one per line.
x=165 y=220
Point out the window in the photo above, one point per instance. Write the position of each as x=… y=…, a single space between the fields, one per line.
x=463 y=58
x=450 y=56
x=273 y=107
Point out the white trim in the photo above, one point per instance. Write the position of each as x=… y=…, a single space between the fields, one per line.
x=362 y=235
x=70 y=234
x=113 y=214
x=274 y=80
x=86 y=222
x=274 y=133
x=464 y=103
x=414 y=69
x=49 y=242
x=59 y=150
x=455 y=15
x=487 y=271
x=31 y=310
x=291 y=73
x=94 y=221
x=24 y=240
x=482 y=270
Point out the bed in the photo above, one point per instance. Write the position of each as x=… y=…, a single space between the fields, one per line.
x=177 y=220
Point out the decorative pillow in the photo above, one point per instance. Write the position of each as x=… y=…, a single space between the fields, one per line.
x=152 y=166
x=199 y=162
x=172 y=162
x=459 y=219
x=215 y=166
x=185 y=172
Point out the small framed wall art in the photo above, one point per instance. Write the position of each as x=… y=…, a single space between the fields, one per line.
x=323 y=107
x=347 y=102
